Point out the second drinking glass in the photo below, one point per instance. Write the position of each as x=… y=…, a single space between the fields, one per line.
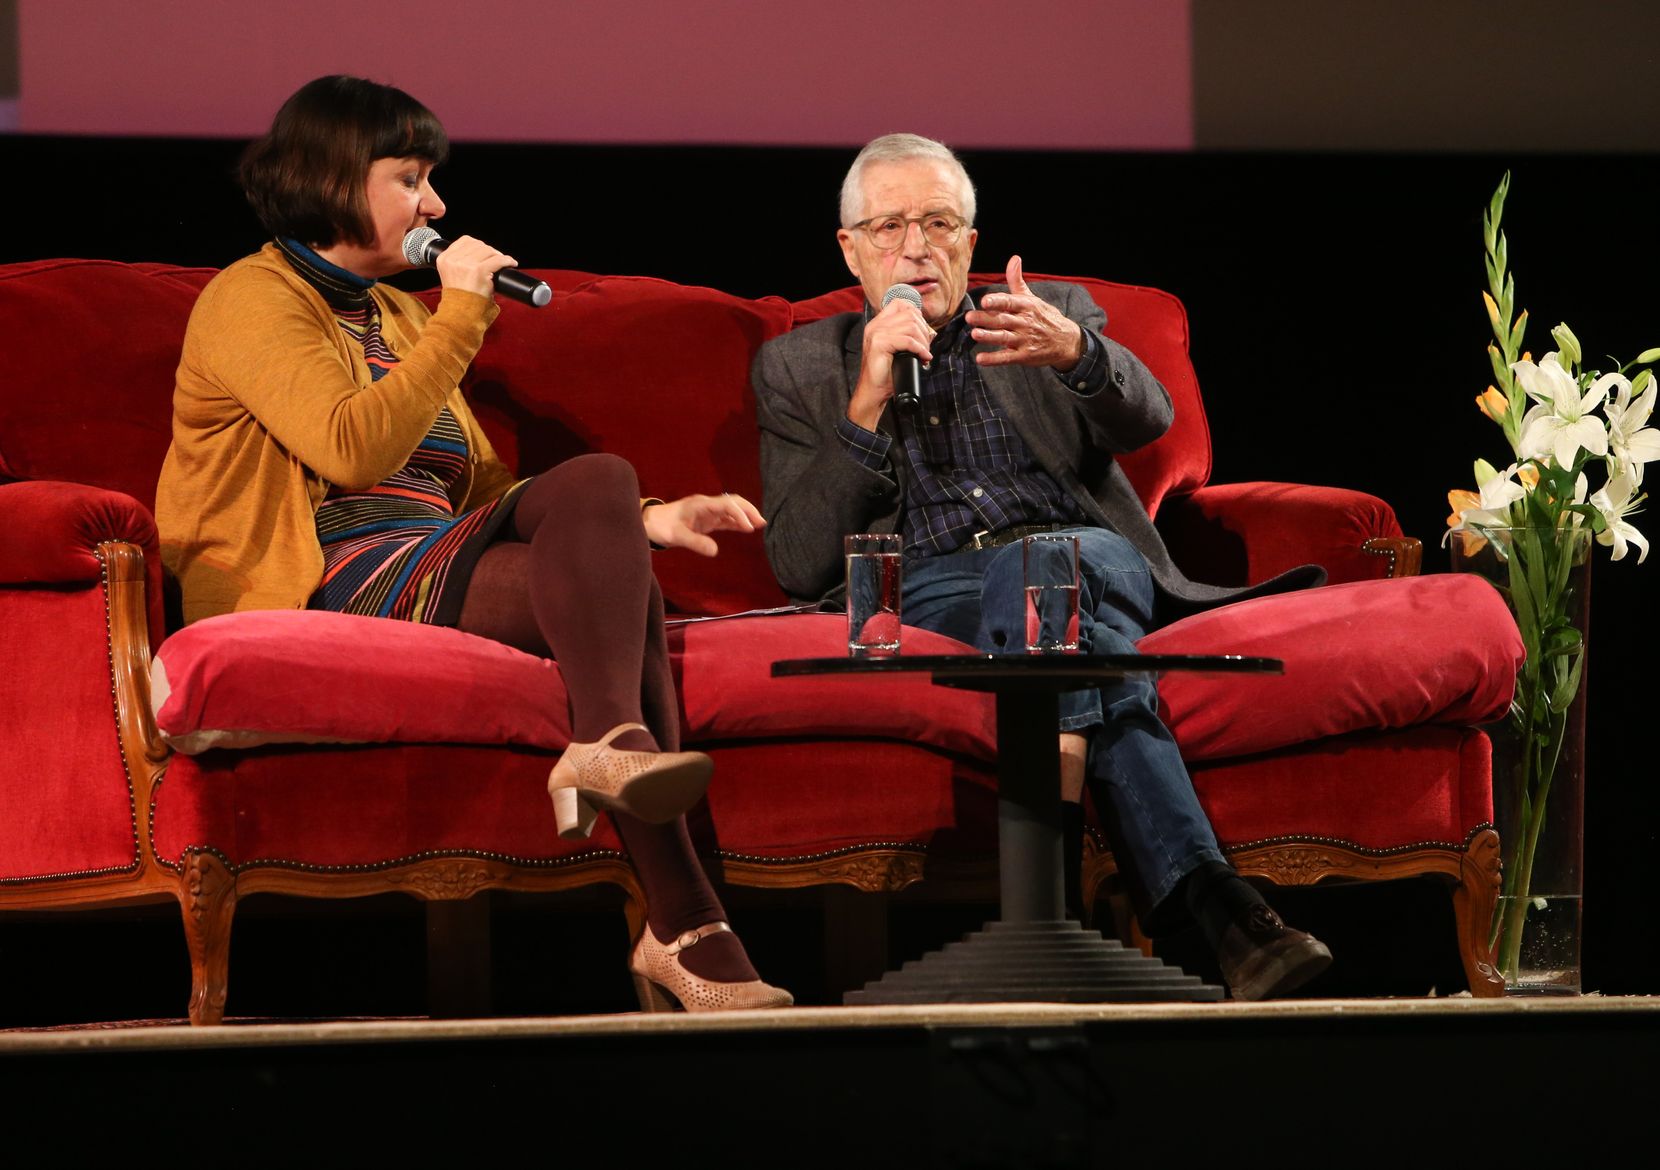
x=1050 y=561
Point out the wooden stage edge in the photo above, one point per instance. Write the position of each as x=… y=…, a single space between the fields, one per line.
x=254 y=1033
x=1563 y=1081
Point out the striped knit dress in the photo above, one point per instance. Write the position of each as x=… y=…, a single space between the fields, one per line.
x=398 y=549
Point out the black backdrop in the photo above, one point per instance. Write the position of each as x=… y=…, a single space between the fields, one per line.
x=1334 y=300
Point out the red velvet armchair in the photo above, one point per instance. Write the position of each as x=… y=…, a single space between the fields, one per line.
x=1364 y=763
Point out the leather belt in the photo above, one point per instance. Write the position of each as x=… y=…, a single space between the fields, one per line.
x=1002 y=536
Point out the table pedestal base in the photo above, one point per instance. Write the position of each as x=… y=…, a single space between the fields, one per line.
x=1044 y=962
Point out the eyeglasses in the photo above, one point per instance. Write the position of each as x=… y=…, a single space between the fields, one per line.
x=888 y=232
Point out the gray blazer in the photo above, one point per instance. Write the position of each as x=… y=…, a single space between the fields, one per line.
x=813 y=493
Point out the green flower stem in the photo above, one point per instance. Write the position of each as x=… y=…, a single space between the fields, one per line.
x=1534 y=776
x=1545 y=687
x=1514 y=886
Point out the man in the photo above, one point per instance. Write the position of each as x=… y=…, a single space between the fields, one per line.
x=1023 y=402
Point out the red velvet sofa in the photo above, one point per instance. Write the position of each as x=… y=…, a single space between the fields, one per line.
x=1363 y=762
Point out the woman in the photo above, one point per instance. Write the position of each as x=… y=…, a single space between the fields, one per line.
x=323 y=455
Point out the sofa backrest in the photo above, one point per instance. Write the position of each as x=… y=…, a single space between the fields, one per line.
x=653 y=371
x=657 y=373
x=86 y=378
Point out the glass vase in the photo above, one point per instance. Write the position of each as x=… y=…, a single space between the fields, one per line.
x=1539 y=751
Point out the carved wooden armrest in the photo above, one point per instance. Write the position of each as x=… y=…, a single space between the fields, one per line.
x=126 y=604
x=1404 y=555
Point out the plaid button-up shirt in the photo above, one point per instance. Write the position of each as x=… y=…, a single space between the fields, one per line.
x=969 y=471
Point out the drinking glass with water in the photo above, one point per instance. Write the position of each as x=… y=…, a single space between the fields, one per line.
x=873 y=580
x=1050 y=561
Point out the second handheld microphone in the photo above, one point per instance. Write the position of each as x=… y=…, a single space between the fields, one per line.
x=422 y=245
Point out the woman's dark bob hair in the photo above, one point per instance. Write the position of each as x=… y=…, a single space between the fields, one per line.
x=305 y=178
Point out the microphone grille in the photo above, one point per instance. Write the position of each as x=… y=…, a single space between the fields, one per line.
x=415 y=245
x=902 y=292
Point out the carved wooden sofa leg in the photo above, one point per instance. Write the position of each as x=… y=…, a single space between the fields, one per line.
x=855 y=938
x=458 y=957
x=1473 y=903
x=1105 y=898
x=1473 y=873
x=207 y=897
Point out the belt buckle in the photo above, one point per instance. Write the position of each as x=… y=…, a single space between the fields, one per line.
x=984 y=532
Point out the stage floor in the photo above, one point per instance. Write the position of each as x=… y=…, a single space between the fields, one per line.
x=981 y=1085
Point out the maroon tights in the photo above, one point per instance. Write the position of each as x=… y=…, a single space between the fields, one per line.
x=570 y=578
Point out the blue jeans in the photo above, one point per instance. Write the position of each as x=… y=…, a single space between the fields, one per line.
x=1141 y=787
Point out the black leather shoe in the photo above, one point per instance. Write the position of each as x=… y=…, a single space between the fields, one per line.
x=1262 y=957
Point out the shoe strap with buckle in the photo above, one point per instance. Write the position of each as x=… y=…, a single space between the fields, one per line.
x=690 y=938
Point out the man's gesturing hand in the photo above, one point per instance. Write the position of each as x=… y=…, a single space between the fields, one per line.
x=898 y=328
x=1030 y=330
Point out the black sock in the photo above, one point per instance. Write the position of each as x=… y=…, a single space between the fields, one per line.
x=1216 y=896
x=1072 y=858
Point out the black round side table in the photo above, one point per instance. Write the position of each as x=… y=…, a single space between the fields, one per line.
x=1032 y=952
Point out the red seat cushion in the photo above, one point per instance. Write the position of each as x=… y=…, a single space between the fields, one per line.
x=264 y=677
x=1367 y=656
x=301 y=676
x=728 y=692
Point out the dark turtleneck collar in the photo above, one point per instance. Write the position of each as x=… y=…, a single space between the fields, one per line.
x=345 y=291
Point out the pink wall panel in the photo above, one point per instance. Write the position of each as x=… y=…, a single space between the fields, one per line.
x=1061 y=73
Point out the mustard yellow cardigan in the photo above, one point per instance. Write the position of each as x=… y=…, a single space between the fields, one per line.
x=273 y=403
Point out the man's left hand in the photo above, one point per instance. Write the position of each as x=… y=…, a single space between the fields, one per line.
x=1029 y=330
x=686 y=522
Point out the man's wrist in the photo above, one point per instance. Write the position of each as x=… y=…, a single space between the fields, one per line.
x=865 y=420
x=1079 y=347
x=864 y=408
x=1088 y=373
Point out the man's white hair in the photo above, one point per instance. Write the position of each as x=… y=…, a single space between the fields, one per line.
x=899 y=148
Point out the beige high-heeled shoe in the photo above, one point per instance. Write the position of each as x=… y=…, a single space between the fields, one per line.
x=659 y=975
x=652 y=786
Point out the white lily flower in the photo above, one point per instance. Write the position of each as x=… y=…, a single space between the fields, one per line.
x=1562 y=424
x=1615 y=503
x=1631 y=442
x=1489 y=505
x=1543 y=382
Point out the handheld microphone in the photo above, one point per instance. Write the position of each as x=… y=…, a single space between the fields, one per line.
x=907 y=370
x=422 y=245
